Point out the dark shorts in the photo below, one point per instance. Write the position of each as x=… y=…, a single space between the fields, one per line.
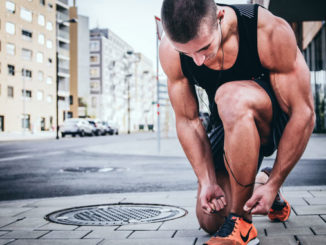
x=279 y=121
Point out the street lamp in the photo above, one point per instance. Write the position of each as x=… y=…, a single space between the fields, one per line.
x=128 y=89
x=57 y=77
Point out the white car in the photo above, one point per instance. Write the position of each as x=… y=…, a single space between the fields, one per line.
x=76 y=126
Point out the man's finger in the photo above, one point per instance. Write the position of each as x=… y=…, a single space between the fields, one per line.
x=250 y=203
x=223 y=200
x=221 y=204
x=216 y=205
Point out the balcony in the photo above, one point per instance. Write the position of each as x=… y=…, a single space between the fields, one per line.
x=62 y=17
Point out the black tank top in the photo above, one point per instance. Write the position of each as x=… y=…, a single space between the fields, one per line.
x=246 y=67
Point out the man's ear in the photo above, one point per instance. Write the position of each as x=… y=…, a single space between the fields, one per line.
x=220 y=13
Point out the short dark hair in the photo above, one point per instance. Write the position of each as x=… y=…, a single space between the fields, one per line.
x=182 y=19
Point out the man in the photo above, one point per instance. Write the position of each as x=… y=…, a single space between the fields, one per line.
x=258 y=88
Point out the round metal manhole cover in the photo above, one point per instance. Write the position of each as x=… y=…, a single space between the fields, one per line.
x=116 y=214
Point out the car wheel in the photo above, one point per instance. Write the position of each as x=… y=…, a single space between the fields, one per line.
x=82 y=134
x=63 y=135
x=73 y=135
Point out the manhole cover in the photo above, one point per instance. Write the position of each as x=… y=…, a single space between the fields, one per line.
x=89 y=170
x=116 y=214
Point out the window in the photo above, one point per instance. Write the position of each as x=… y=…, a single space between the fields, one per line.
x=27 y=35
x=39 y=57
x=40 y=39
x=49 y=80
x=49 y=44
x=94 y=46
x=11 y=70
x=40 y=76
x=10 y=28
x=95 y=59
x=10 y=92
x=26 y=121
x=39 y=95
x=94 y=102
x=49 y=26
x=26 y=73
x=27 y=54
x=71 y=100
x=95 y=72
x=26 y=93
x=10 y=48
x=42 y=2
x=10 y=6
x=26 y=14
x=49 y=98
x=41 y=20
x=50 y=60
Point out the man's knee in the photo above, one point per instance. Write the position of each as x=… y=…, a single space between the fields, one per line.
x=234 y=105
x=210 y=223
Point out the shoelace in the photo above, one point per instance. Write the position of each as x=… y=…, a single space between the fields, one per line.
x=226 y=229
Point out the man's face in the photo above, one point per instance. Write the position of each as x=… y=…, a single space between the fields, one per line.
x=204 y=47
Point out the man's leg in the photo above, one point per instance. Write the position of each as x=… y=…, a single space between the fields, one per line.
x=210 y=223
x=246 y=112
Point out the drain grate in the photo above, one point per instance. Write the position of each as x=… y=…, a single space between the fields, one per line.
x=116 y=214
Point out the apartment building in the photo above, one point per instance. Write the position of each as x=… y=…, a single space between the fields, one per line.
x=63 y=48
x=27 y=65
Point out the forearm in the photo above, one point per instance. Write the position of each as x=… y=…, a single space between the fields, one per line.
x=291 y=147
x=195 y=144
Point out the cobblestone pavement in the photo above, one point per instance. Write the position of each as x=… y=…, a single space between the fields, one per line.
x=22 y=221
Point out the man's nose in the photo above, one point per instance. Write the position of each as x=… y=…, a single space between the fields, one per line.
x=199 y=59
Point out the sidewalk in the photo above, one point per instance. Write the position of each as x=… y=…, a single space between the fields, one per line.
x=22 y=221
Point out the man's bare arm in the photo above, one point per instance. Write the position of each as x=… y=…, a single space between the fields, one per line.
x=290 y=79
x=190 y=130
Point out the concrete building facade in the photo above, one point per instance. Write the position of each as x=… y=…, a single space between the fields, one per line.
x=83 y=66
x=27 y=65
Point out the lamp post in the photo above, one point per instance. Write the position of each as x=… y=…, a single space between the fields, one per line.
x=128 y=89
x=57 y=77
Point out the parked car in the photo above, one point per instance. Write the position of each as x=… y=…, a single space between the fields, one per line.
x=98 y=127
x=76 y=126
x=114 y=127
x=108 y=128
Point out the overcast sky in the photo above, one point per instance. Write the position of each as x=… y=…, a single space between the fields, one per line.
x=132 y=20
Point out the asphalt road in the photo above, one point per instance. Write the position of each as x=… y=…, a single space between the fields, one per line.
x=49 y=168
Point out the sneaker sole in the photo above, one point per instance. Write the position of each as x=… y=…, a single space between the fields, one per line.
x=254 y=241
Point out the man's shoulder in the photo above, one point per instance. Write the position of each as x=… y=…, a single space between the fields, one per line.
x=170 y=60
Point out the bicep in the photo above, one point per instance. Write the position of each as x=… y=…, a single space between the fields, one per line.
x=292 y=88
x=183 y=99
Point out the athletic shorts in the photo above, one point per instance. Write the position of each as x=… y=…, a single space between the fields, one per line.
x=279 y=121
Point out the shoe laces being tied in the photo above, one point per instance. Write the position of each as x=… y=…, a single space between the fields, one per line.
x=228 y=226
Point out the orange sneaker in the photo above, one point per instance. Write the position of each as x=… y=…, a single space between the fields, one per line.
x=281 y=209
x=235 y=231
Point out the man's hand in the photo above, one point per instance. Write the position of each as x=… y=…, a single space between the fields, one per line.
x=261 y=200
x=212 y=198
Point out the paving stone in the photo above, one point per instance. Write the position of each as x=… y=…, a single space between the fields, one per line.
x=168 y=241
x=288 y=240
x=191 y=233
x=57 y=227
x=109 y=235
x=296 y=194
x=323 y=217
x=140 y=227
x=94 y=228
x=188 y=222
x=297 y=200
x=312 y=240
x=3 y=232
x=318 y=193
x=11 y=212
x=4 y=221
x=65 y=235
x=57 y=242
x=319 y=229
x=37 y=212
x=304 y=221
x=24 y=234
x=309 y=210
x=151 y=234
x=5 y=241
x=317 y=201
x=28 y=223
x=289 y=231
